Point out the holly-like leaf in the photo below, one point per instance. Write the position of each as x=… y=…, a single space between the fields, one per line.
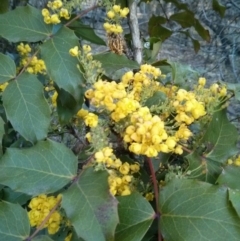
x=61 y=66
x=86 y=32
x=7 y=68
x=24 y=24
x=230 y=177
x=14 y=225
x=44 y=168
x=234 y=197
x=26 y=107
x=136 y=216
x=218 y=8
x=156 y=29
x=112 y=62
x=185 y=18
x=204 y=33
x=96 y=218
x=14 y=197
x=192 y=210
x=220 y=138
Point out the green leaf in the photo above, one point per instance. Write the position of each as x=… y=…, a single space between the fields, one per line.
x=97 y=217
x=14 y=197
x=26 y=107
x=235 y=88
x=203 y=169
x=86 y=32
x=157 y=98
x=24 y=24
x=61 y=66
x=156 y=29
x=220 y=138
x=234 y=197
x=14 y=225
x=185 y=18
x=230 y=177
x=218 y=8
x=4 y=6
x=2 y=133
x=192 y=210
x=136 y=216
x=44 y=168
x=112 y=62
x=67 y=106
x=204 y=33
x=7 y=68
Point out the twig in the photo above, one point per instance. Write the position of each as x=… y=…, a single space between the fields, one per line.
x=156 y=194
x=80 y=15
x=134 y=30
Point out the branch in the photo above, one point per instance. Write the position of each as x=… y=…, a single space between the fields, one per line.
x=134 y=30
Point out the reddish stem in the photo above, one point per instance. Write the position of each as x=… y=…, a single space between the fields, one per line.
x=156 y=194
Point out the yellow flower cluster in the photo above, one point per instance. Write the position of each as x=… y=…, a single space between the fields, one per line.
x=40 y=207
x=187 y=107
x=120 y=174
x=92 y=68
x=56 y=12
x=114 y=15
x=147 y=135
x=35 y=65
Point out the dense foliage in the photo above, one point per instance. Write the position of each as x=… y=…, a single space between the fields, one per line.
x=101 y=147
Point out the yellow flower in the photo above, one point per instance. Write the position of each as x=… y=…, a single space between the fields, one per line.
x=202 y=81
x=111 y=14
x=116 y=8
x=57 y=4
x=64 y=13
x=124 y=168
x=55 y=19
x=82 y=113
x=69 y=237
x=86 y=48
x=74 y=51
x=124 y=12
x=45 y=12
x=149 y=196
x=91 y=120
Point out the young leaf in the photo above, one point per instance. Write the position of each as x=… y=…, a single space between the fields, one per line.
x=7 y=68
x=86 y=32
x=230 y=177
x=192 y=210
x=26 y=107
x=14 y=225
x=218 y=8
x=96 y=218
x=44 y=168
x=24 y=24
x=136 y=216
x=61 y=66
x=220 y=138
x=112 y=62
